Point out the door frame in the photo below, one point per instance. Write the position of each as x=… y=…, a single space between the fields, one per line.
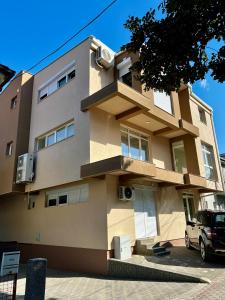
x=185 y=198
x=152 y=189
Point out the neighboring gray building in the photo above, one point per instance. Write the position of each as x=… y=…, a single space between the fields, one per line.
x=216 y=201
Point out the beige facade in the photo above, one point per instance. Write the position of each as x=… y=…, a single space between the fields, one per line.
x=75 y=90
x=15 y=102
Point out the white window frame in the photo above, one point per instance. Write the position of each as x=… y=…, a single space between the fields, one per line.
x=9 y=149
x=124 y=67
x=65 y=72
x=177 y=145
x=140 y=136
x=186 y=197
x=205 y=151
x=75 y=191
x=171 y=110
x=202 y=110
x=54 y=132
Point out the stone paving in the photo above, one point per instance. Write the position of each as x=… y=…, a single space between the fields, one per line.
x=184 y=261
x=65 y=285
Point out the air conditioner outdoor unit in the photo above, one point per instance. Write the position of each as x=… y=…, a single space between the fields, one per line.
x=25 y=168
x=126 y=193
x=122 y=247
x=104 y=57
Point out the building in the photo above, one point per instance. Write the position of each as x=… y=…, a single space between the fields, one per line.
x=215 y=201
x=94 y=130
x=15 y=102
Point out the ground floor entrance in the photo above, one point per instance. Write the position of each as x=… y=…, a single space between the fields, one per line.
x=144 y=213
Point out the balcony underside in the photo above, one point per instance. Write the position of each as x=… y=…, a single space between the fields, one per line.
x=127 y=168
x=134 y=109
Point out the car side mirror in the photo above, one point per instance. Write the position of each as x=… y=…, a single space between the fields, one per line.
x=194 y=220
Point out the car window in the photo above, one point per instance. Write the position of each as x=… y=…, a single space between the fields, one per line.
x=206 y=219
x=199 y=217
x=219 y=220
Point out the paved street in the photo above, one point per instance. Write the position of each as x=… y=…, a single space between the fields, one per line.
x=62 y=285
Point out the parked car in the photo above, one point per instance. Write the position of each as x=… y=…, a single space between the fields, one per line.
x=206 y=232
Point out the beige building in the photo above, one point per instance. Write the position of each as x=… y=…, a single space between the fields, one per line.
x=110 y=159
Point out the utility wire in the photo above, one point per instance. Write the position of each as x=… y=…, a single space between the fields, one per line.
x=73 y=36
x=70 y=38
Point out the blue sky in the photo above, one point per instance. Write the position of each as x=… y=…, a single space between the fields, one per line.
x=32 y=29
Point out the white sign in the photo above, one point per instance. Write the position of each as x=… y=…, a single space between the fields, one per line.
x=10 y=263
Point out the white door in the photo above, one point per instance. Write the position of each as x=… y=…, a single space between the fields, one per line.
x=144 y=214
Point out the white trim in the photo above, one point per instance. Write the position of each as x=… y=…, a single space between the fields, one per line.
x=45 y=136
x=138 y=136
x=178 y=145
x=186 y=197
x=66 y=68
x=75 y=194
x=124 y=66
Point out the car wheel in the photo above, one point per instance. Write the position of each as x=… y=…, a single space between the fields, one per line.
x=205 y=255
x=187 y=242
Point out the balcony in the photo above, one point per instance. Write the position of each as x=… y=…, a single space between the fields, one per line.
x=118 y=165
x=194 y=181
x=134 y=109
x=169 y=177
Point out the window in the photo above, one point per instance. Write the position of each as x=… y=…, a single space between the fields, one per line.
x=41 y=143
x=62 y=82
x=51 y=139
x=70 y=130
x=43 y=93
x=188 y=202
x=68 y=196
x=71 y=75
x=163 y=101
x=179 y=158
x=62 y=199
x=134 y=144
x=124 y=71
x=127 y=79
x=60 y=134
x=55 y=136
x=13 y=102
x=209 y=161
x=56 y=83
x=52 y=202
x=202 y=115
x=9 y=149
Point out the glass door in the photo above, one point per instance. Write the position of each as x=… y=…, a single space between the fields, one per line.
x=179 y=158
x=189 y=210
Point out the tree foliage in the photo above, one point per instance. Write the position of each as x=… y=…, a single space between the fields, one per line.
x=175 y=48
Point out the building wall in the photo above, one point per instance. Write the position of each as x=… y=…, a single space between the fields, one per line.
x=80 y=225
x=161 y=152
x=14 y=127
x=169 y=213
x=206 y=135
x=60 y=163
x=105 y=136
x=120 y=214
